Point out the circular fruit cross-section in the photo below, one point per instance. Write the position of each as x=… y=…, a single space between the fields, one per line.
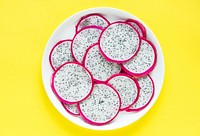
x=102 y=106
x=83 y=39
x=127 y=87
x=72 y=83
x=119 y=42
x=60 y=54
x=138 y=26
x=71 y=108
x=92 y=20
x=99 y=67
x=146 y=93
x=144 y=62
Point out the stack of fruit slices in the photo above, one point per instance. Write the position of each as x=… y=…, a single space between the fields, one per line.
x=105 y=69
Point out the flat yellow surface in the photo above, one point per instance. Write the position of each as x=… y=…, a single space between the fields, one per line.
x=25 y=27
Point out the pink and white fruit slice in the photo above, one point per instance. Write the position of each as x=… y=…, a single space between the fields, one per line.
x=138 y=26
x=99 y=67
x=83 y=39
x=71 y=108
x=127 y=87
x=146 y=93
x=60 y=54
x=102 y=106
x=92 y=20
x=119 y=42
x=72 y=83
x=144 y=61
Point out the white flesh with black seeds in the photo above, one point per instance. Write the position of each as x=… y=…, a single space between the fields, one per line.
x=143 y=60
x=137 y=28
x=92 y=20
x=61 y=54
x=146 y=92
x=99 y=67
x=119 y=42
x=83 y=39
x=102 y=106
x=72 y=108
x=127 y=89
x=72 y=83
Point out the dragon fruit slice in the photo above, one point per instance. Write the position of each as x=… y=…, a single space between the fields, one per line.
x=127 y=87
x=102 y=106
x=72 y=83
x=146 y=93
x=83 y=39
x=144 y=62
x=92 y=20
x=71 y=108
x=119 y=42
x=138 y=26
x=60 y=54
x=99 y=67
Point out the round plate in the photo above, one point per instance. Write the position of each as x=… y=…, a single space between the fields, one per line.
x=66 y=31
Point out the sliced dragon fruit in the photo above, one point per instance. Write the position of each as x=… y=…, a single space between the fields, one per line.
x=60 y=54
x=102 y=106
x=146 y=93
x=144 y=62
x=127 y=87
x=119 y=42
x=99 y=67
x=138 y=26
x=72 y=83
x=83 y=39
x=71 y=108
x=92 y=20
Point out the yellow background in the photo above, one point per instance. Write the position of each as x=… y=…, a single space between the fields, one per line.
x=25 y=27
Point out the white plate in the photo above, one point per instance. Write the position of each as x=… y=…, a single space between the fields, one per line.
x=66 y=31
